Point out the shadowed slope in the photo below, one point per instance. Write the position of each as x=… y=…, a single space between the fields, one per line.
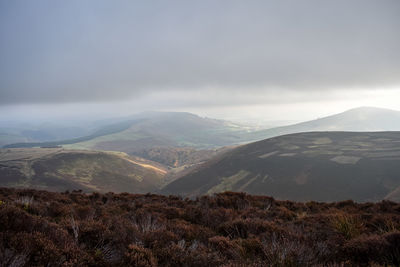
x=323 y=166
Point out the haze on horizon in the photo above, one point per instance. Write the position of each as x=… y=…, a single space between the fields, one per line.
x=239 y=60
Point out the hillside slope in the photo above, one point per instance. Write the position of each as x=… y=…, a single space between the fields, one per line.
x=363 y=119
x=31 y=131
x=171 y=138
x=179 y=139
x=168 y=129
x=180 y=129
x=59 y=170
x=322 y=166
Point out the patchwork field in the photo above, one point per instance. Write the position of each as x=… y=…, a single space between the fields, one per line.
x=323 y=166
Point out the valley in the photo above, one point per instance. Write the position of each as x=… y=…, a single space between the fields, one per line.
x=181 y=153
x=199 y=133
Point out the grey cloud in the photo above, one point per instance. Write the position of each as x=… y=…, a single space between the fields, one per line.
x=73 y=51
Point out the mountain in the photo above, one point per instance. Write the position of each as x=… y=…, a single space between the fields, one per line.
x=169 y=129
x=180 y=129
x=57 y=169
x=152 y=129
x=178 y=138
x=12 y=132
x=363 y=119
x=320 y=166
x=102 y=131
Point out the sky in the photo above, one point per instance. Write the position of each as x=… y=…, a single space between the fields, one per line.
x=240 y=60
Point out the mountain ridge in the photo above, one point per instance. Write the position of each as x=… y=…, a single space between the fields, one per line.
x=356 y=119
x=364 y=119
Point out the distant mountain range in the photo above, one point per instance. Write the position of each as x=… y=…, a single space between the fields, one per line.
x=169 y=129
x=171 y=138
x=363 y=119
x=152 y=129
x=186 y=129
x=326 y=165
x=320 y=166
x=11 y=133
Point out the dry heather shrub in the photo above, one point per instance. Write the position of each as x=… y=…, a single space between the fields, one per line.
x=280 y=250
x=57 y=209
x=231 y=200
x=159 y=238
x=392 y=252
x=386 y=206
x=38 y=248
x=240 y=228
x=140 y=257
x=13 y=258
x=283 y=213
x=174 y=254
x=91 y=233
x=25 y=201
x=378 y=249
x=345 y=204
x=252 y=247
x=108 y=253
x=349 y=226
x=234 y=229
x=189 y=231
x=384 y=223
x=30 y=205
x=226 y=247
x=84 y=212
x=147 y=222
x=365 y=249
x=229 y=228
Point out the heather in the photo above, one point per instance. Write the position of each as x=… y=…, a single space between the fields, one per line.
x=40 y=228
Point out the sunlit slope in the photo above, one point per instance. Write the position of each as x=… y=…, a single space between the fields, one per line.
x=144 y=131
x=59 y=170
x=184 y=129
x=169 y=129
x=323 y=166
x=363 y=119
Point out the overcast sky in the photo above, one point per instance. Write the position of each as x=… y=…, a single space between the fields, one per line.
x=272 y=60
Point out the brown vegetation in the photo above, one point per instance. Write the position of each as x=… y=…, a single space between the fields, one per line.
x=39 y=228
